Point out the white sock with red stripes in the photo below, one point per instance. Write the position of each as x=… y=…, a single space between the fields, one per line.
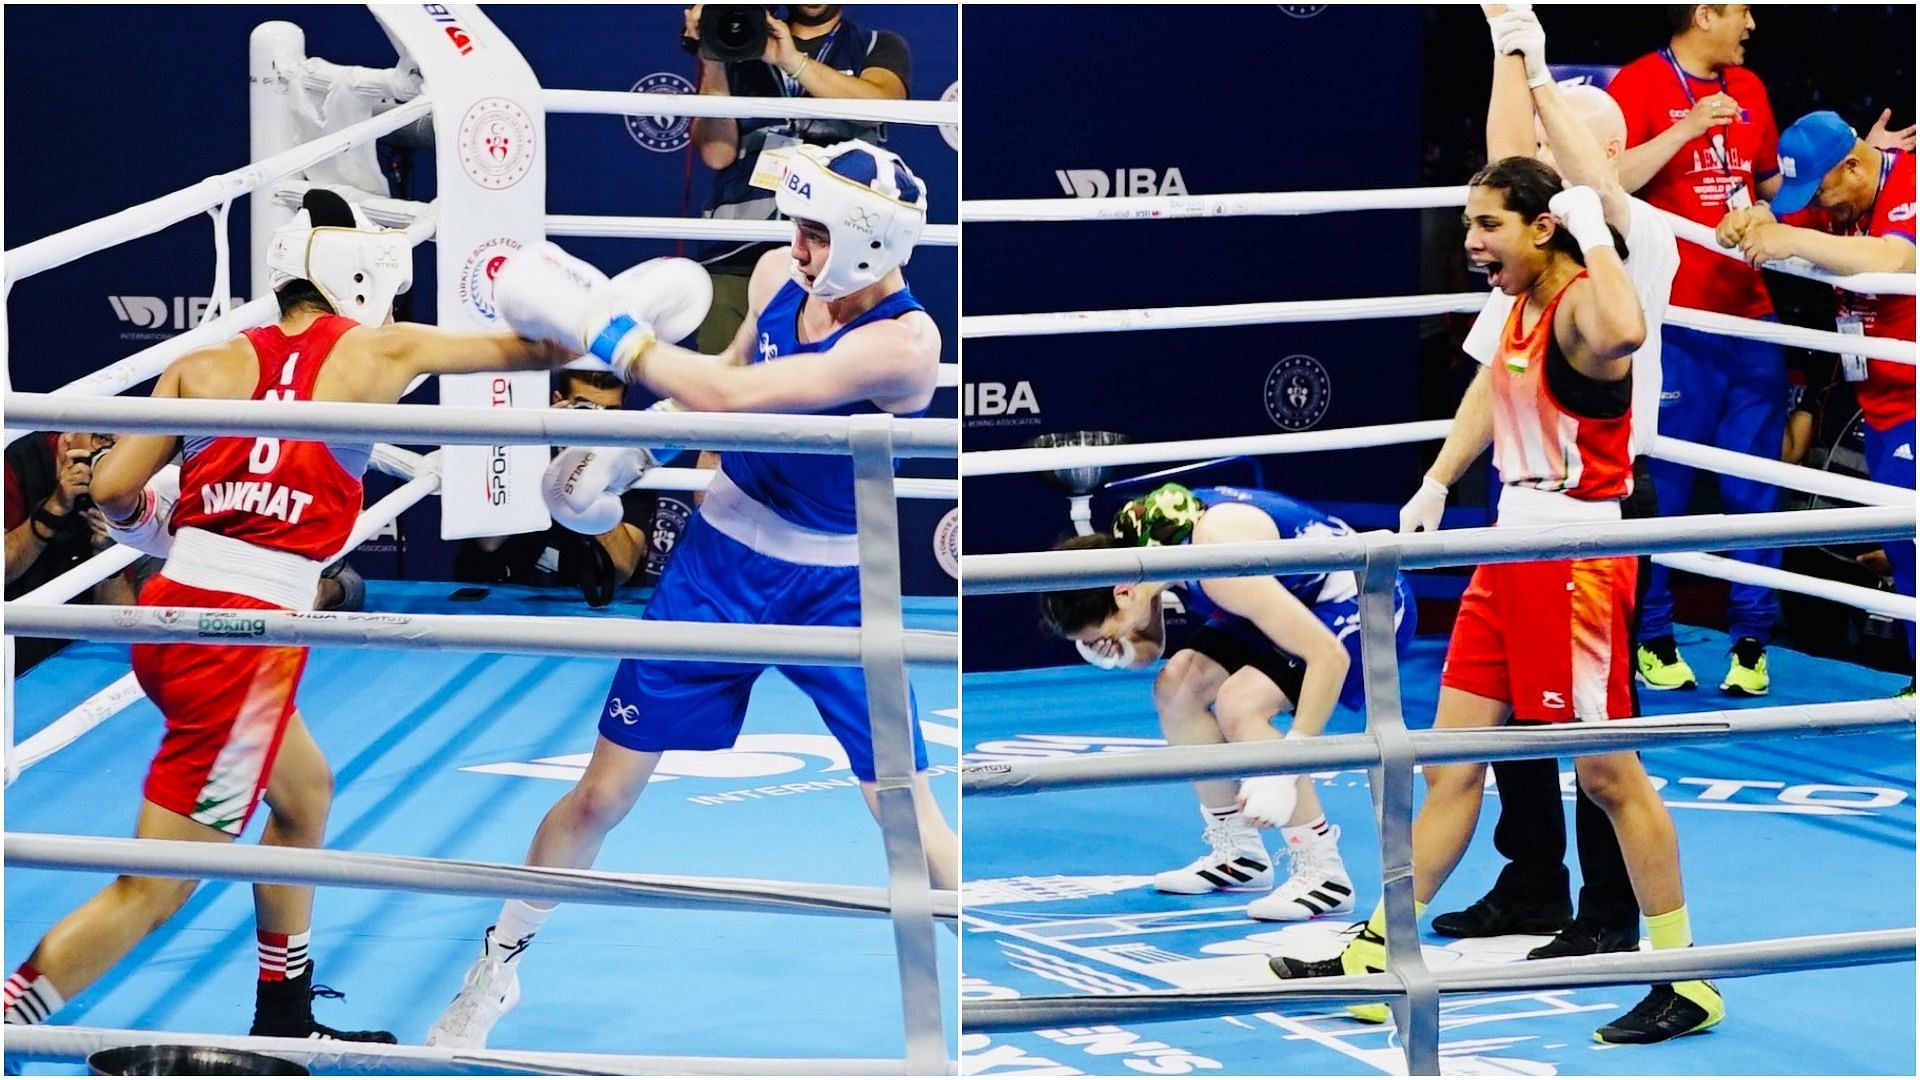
x=283 y=957
x=30 y=997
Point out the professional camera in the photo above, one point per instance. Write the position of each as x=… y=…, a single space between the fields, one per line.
x=732 y=33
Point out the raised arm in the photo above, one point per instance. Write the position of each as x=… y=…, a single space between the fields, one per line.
x=1579 y=158
x=1509 y=110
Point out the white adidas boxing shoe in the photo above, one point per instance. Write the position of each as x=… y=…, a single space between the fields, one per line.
x=491 y=991
x=1236 y=861
x=1317 y=882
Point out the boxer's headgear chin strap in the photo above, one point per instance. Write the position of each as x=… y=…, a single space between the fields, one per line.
x=357 y=266
x=870 y=203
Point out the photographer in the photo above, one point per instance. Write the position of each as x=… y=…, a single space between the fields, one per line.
x=816 y=52
x=52 y=524
x=596 y=564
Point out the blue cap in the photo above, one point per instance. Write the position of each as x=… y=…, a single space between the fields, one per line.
x=1808 y=151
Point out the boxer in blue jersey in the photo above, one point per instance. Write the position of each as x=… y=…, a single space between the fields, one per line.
x=1287 y=643
x=831 y=329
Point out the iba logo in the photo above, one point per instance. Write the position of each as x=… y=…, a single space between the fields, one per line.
x=164 y=315
x=1096 y=184
x=994 y=404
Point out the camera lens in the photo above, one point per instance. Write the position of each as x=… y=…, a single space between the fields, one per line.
x=731 y=33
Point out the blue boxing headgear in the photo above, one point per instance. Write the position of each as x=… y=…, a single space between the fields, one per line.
x=870 y=203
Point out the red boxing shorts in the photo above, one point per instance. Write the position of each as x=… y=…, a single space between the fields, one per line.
x=1549 y=638
x=226 y=708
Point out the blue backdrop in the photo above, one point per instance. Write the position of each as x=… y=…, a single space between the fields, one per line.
x=111 y=106
x=1120 y=100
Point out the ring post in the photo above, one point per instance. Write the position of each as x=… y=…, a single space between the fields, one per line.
x=274 y=50
x=890 y=712
x=1418 y=1014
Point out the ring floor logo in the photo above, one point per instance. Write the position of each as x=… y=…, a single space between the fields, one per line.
x=815 y=762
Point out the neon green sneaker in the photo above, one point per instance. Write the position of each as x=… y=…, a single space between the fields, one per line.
x=1662 y=667
x=1747 y=675
x=1366 y=954
x=1905 y=691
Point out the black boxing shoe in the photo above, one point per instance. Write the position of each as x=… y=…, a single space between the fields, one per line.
x=1586 y=937
x=1494 y=915
x=284 y=1010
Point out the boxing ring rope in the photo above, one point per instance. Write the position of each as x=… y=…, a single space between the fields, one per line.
x=1391 y=751
x=1039 y=324
x=44 y=1042
x=450 y=877
x=1771 y=957
x=1290 y=203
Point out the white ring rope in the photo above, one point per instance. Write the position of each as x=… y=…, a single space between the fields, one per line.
x=1031 y=571
x=1665 y=447
x=1748 y=958
x=1872 y=601
x=709 y=106
x=1285 y=203
x=671 y=228
x=47 y=1042
x=1045 y=323
x=150 y=217
x=336 y=420
x=1180 y=764
x=522 y=635
x=451 y=877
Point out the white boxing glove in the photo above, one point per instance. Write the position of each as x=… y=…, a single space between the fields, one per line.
x=1268 y=801
x=1422 y=512
x=1518 y=32
x=146 y=531
x=672 y=294
x=583 y=485
x=1107 y=654
x=1580 y=213
x=546 y=294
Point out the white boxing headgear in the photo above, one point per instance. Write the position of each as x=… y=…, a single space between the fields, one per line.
x=870 y=203
x=359 y=268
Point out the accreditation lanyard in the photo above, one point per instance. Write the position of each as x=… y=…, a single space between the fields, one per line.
x=1737 y=197
x=790 y=86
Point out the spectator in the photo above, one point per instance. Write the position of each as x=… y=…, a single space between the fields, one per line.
x=816 y=52
x=52 y=524
x=596 y=564
x=1701 y=140
x=1850 y=210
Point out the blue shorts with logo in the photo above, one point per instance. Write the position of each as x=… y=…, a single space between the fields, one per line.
x=1340 y=616
x=657 y=705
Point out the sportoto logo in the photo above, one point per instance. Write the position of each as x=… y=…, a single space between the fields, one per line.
x=1097 y=184
x=477 y=273
x=1298 y=392
x=496 y=143
x=946 y=543
x=619 y=710
x=662 y=134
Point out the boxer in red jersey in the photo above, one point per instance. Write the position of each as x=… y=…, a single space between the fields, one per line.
x=255 y=522
x=1547 y=641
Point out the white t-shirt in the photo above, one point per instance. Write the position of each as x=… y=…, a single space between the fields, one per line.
x=1653 y=257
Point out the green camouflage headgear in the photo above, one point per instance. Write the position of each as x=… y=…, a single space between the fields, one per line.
x=1165 y=516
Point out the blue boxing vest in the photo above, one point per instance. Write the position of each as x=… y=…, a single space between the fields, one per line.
x=1294 y=519
x=813 y=491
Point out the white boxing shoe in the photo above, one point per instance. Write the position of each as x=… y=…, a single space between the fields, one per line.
x=491 y=991
x=1316 y=885
x=1236 y=861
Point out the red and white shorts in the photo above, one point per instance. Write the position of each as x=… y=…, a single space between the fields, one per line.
x=226 y=708
x=1549 y=638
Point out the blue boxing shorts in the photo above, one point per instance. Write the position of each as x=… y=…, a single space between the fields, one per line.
x=657 y=705
x=1234 y=643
